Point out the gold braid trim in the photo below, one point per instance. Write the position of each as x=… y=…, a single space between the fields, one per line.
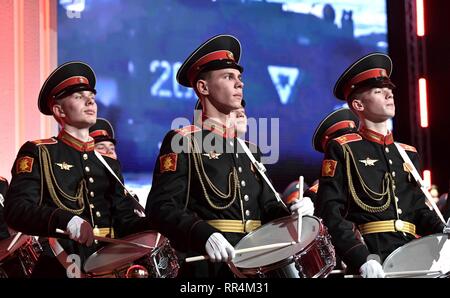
x=386 y=184
x=232 y=176
x=51 y=184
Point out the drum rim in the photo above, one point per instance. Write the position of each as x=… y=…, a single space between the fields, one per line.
x=410 y=243
x=162 y=240
x=285 y=261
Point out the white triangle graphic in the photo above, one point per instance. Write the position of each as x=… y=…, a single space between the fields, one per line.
x=283 y=88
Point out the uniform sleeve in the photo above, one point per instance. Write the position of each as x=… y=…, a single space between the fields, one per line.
x=426 y=220
x=23 y=211
x=125 y=220
x=271 y=208
x=166 y=200
x=332 y=208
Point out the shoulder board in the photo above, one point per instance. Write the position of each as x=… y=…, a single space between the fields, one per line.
x=408 y=147
x=45 y=141
x=190 y=129
x=314 y=188
x=348 y=138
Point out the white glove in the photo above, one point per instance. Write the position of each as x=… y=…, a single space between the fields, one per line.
x=371 y=269
x=80 y=231
x=447 y=227
x=303 y=207
x=219 y=249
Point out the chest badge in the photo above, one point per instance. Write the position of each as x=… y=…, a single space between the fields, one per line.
x=212 y=155
x=368 y=162
x=64 y=166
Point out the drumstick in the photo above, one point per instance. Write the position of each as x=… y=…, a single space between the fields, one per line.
x=299 y=220
x=112 y=240
x=14 y=241
x=402 y=273
x=244 y=250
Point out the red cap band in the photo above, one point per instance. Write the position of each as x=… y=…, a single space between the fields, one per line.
x=197 y=66
x=363 y=76
x=335 y=127
x=77 y=80
x=98 y=133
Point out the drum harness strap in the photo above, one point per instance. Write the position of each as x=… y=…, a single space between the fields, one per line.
x=419 y=180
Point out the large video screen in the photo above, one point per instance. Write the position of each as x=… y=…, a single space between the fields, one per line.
x=292 y=53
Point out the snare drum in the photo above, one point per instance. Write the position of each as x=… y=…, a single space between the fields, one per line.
x=124 y=261
x=20 y=260
x=427 y=253
x=313 y=257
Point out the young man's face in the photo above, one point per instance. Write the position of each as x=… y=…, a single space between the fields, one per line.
x=106 y=148
x=225 y=89
x=79 y=109
x=376 y=104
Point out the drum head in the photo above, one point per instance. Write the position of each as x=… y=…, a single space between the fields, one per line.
x=6 y=242
x=427 y=253
x=113 y=256
x=280 y=230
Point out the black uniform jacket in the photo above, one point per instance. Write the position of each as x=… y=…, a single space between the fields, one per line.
x=57 y=178
x=362 y=163
x=180 y=203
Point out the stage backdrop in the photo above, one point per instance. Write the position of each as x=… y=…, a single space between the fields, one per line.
x=293 y=52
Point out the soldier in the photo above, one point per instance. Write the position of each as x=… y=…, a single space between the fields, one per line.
x=103 y=134
x=59 y=183
x=335 y=124
x=367 y=197
x=209 y=195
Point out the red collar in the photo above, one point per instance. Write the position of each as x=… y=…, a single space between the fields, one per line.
x=73 y=142
x=217 y=127
x=376 y=137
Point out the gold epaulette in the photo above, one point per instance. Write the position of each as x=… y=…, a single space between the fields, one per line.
x=187 y=130
x=408 y=147
x=49 y=141
x=348 y=138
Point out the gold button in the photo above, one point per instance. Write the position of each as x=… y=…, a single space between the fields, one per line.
x=399 y=211
x=91 y=194
x=237 y=155
x=85 y=156
x=98 y=214
x=231 y=143
x=87 y=169
x=247 y=212
x=92 y=206
x=398 y=224
x=243 y=183
x=386 y=149
x=246 y=198
x=396 y=199
x=393 y=187
x=240 y=169
x=91 y=179
x=390 y=161
x=393 y=173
